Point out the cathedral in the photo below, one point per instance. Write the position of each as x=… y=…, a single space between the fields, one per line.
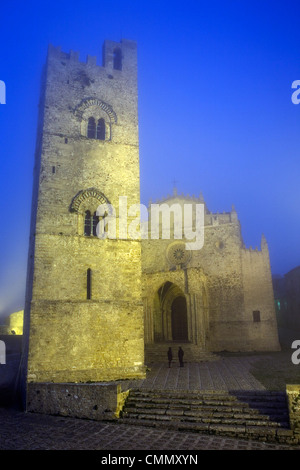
x=102 y=307
x=217 y=298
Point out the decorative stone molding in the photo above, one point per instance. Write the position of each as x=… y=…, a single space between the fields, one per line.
x=88 y=102
x=83 y=195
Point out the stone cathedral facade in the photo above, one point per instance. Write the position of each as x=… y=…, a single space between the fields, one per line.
x=218 y=298
x=97 y=308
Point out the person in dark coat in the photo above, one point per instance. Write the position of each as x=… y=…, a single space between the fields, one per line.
x=170 y=356
x=180 y=356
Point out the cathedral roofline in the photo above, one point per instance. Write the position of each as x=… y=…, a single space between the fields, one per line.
x=194 y=199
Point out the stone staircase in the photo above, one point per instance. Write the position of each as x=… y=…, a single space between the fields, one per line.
x=258 y=415
x=157 y=353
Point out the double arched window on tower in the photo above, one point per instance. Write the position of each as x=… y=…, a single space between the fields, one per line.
x=91 y=221
x=90 y=224
x=93 y=211
x=96 y=129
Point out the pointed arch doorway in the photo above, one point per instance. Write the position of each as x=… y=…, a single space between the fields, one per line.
x=172 y=314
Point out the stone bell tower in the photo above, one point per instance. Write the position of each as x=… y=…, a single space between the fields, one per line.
x=84 y=314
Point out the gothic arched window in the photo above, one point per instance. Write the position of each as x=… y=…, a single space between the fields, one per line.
x=117 y=59
x=101 y=129
x=87 y=224
x=91 y=129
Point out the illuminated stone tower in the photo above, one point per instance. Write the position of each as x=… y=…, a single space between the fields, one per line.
x=84 y=314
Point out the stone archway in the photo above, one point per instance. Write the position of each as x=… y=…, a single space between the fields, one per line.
x=171 y=318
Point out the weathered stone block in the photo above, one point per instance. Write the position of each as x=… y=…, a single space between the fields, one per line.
x=89 y=401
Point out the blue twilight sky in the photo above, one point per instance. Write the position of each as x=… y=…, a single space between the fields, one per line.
x=215 y=110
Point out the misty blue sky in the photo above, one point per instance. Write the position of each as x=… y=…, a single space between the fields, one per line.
x=215 y=110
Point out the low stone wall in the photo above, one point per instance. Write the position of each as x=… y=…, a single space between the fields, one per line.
x=293 y=395
x=98 y=401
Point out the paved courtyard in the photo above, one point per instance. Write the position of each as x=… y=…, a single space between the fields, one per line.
x=224 y=374
x=28 y=431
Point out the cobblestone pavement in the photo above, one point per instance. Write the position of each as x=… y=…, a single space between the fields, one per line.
x=29 y=431
x=224 y=374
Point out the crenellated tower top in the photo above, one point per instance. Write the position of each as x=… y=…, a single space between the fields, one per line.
x=116 y=56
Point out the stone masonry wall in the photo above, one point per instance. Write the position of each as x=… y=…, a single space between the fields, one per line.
x=261 y=335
